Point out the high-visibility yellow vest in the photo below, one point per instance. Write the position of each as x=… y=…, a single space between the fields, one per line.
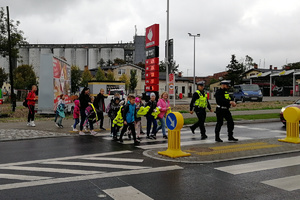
x=118 y=121
x=202 y=101
x=227 y=96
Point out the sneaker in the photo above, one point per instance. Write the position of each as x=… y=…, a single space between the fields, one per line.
x=81 y=133
x=136 y=142
x=32 y=124
x=93 y=132
x=56 y=124
x=153 y=136
x=203 y=137
x=142 y=133
x=61 y=126
x=85 y=129
x=28 y=124
x=218 y=140
x=193 y=131
x=74 y=129
x=103 y=128
x=165 y=137
x=149 y=137
x=138 y=138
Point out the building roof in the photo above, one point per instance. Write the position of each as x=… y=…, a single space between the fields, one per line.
x=123 y=65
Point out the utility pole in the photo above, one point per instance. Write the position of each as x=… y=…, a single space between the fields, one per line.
x=12 y=94
x=167 y=50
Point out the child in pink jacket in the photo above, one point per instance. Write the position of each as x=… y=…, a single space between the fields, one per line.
x=76 y=114
x=163 y=104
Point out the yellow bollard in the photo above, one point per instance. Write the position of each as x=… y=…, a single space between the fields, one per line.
x=292 y=117
x=174 y=123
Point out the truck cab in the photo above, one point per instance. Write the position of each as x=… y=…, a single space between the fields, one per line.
x=247 y=92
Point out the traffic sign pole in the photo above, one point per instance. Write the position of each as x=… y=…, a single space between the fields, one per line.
x=174 y=121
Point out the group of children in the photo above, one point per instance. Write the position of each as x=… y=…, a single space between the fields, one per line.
x=127 y=115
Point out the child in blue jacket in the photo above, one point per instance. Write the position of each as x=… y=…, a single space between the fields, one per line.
x=129 y=115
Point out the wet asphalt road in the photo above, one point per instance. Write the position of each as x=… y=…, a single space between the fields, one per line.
x=124 y=166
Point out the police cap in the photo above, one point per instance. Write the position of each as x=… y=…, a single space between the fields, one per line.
x=225 y=82
x=200 y=83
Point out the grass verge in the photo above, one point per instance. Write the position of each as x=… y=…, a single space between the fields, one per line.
x=236 y=118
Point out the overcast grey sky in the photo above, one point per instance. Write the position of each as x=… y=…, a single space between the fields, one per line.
x=266 y=30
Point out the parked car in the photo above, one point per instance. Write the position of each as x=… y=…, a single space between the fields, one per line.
x=295 y=104
x=247 y=92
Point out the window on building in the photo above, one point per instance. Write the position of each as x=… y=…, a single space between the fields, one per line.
x=183 y=90
x=121 y=71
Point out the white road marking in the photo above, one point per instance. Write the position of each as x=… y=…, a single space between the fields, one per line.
x=126 y=193
x=185 y=143
x=94 y=165
x=262 y=165
x=52 y=170
x=290 y=183
x=65 y=158
x=23 y=177
x=114 y=159
x=88 y=177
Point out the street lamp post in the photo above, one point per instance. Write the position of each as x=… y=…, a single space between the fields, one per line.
x=196 y=35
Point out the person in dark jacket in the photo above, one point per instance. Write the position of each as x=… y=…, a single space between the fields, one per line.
x=85 y=101
x=199 y=103
x=224 y=102
x=129 y=115
x=150 y=118
x=100 y=107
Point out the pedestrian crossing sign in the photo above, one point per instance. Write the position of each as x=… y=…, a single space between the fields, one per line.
x=174 y=121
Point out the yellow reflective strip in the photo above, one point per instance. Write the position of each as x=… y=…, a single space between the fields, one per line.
x=238 y=149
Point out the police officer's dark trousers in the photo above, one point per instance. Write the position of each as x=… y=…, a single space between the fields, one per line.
x=201 y=114
x=221 y=114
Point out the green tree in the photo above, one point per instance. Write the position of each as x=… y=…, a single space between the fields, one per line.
x=16 y=36
x=101 y=62
x=235 y=71
x=125 y=79
x=172 y=65
x=119 y=61
x=109 y=63
x=86 y=77
x=110 y=75
x=3 y=76
x=24 y=77
x=133 y=80
x=100 y=75
x=75 y=78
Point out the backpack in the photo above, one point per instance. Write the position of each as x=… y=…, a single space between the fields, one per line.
x=25 y=102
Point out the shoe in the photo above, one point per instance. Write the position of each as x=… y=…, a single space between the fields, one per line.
x=165 y=137
x=203 y=137
x=103 y=128
x=93 y=132
x=193 y=131
x=32 y=124
x=138 y=138
x=56 y=124
x=75 y=130
x=121 y=140
x=142 y=133
x=28 y=124
x=232 y=139
x=219 y=140
x=81 y=133
x=85 y=129
x=153 y=136
x=136 y=142
x=149 y=137
x=129 y=136
x=61 y=126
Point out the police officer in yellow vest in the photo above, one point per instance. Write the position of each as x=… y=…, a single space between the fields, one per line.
x=199 y=103
x=224 y=102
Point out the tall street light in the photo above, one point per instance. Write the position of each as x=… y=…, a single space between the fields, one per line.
x=196 y=35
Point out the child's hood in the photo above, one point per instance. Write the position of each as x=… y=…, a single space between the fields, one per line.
x=76 y=102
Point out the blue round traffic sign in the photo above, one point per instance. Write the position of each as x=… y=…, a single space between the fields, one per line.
x=171 y=121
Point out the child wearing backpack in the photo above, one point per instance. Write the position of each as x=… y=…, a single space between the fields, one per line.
x=76 y=114
x=114 y=107
x=129 y=115
x=55 y=108
x=61 y=112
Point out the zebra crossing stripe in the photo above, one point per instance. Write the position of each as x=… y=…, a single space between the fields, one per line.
x=262 y=165
x=114 y=159
x=50 y=170
x=95 y=165
x=126 y=193
x=88 y=177
x=23 y=177
x=290 y=183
